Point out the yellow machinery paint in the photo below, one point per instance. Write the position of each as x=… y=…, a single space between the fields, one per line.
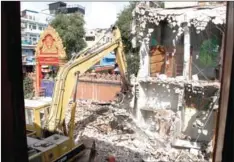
x=50 y=118
x=36 y=112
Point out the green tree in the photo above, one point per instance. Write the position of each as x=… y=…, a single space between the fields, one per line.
x=28 y=87
x=209 y=52
x=71 y=30
x=124 y=21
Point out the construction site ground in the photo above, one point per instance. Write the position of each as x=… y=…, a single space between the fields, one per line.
x=115 y=133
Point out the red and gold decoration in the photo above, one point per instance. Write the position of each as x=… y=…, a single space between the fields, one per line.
x=49 y=51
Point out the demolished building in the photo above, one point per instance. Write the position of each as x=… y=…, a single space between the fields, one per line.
x=165 y=37
x=176 y=29
x=172 y=108
x=175 y=99
x=171 y=77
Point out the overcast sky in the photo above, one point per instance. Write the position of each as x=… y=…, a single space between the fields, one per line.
x=97 y=14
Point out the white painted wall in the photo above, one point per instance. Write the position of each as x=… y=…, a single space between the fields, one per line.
x=158 y=96
x=144 y=60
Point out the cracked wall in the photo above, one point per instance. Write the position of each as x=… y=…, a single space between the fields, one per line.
x=196 y=117
x=146 y=18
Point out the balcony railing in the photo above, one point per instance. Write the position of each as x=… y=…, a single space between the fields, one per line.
x=24 y=42
x=23 y=26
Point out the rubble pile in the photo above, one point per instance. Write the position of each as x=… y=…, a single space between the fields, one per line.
x=171 y=93
x=116 y=133
x=180 y=81
x=165 y=120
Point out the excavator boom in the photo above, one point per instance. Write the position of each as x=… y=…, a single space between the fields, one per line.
x=66 y=78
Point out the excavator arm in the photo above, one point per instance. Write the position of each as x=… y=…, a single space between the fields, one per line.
x=80 y=63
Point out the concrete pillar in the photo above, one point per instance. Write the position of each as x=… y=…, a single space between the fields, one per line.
x=38 y=79
x=186 y=51
x=144 y=61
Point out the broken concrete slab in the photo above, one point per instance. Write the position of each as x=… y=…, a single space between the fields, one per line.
x=194 y=151
x=185 y=144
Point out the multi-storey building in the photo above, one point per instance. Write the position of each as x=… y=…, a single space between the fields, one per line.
x=33 y=24
x=93 y=35
x=61 y=7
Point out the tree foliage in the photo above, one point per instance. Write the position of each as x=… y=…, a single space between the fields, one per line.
x=124 y=21
x=28 y=87
x=209 y=52
x=71 y=30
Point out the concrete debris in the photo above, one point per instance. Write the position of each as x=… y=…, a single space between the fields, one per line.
x=163 y=122
x=162 y=76
x=116 y=133
x=195 y=77
x=194 y=151
x=195 y=16
x=186 y=144
x=179 y=81
x=198 y=123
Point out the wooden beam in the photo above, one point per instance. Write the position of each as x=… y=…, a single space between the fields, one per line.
x=222 y=151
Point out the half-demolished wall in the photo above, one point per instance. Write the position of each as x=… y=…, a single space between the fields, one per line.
x=181 y=21
x=181 y=32
x=192 y=102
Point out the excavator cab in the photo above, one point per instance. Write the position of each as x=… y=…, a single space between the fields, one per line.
x=40 y=148
x=36 y=113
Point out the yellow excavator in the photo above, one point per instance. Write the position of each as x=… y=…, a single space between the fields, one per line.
x=49 y=140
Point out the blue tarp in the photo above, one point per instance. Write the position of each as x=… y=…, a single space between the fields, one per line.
x=48 y=85
x=110 y=56
x=108 y=60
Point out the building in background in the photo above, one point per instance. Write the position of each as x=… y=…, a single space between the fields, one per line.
x=107 y=64
x=92 y=36
x=61 y=7
x=33 y=23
